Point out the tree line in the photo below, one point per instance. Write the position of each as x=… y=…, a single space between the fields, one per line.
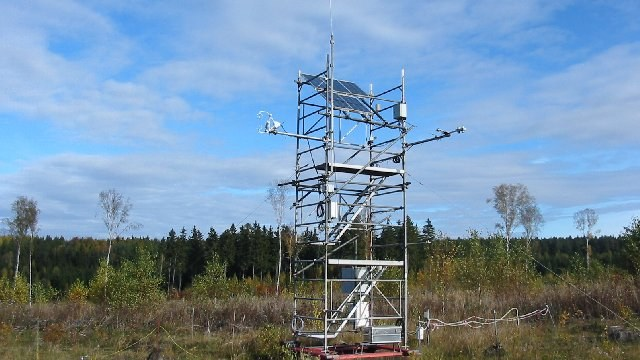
x=251 y=251
x=254 y=251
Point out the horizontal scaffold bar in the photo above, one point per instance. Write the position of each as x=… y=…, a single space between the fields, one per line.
x=356 y=262
x=364 y=170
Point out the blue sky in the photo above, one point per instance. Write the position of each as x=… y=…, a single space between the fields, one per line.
x=158 y=99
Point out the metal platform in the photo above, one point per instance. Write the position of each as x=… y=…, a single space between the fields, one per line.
x=362 y=263
x=354 y=351
x=359 y=169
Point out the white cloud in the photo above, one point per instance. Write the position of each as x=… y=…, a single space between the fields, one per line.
x=597 y=100
x=218 y=79
x=167 y=190
x=178 y=83
x=70 y=91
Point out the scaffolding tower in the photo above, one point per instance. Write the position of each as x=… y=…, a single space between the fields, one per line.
x=350 y=248
x=350 y=263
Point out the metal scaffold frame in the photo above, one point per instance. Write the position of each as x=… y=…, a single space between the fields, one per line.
x=349 y=187
x=350 y=262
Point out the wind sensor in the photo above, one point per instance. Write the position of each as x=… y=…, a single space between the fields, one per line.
x=271 y=126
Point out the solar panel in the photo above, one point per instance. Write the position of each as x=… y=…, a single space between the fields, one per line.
x=317 y=82
x=342 y=99
x=352 y=87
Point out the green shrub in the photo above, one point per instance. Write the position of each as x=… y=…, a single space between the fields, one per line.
x=134 y=284
x=213 y=283
x=78 y=292
x=43 y=293
x=14 y=292
x=631 y=238
x=268 y=344
x=98 y=285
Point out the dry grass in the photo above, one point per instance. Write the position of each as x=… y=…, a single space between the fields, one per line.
x=181 y=329
x=576 y=327
x=540 y=340
x=251 y=327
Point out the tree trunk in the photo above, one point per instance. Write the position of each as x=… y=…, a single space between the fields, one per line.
x=279 y=261
x=168 y=281
x=106 y=273
x=30 y=282
x=15 y=276
x=109 y=252
x=588 y=252
x=173 y=274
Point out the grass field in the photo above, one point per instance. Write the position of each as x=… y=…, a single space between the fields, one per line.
x=577 y=339
x=253 y=327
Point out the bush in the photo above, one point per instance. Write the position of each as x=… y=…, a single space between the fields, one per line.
x=43 y=293
x=99 y=284
x=631 y=238
x=78 y=292
x=134 y=284
x=579 y=271
x=268 y=344
x=213 y=283
x=14 y=293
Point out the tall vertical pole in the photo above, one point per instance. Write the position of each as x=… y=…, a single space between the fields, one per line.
x=329 y=154
x=297 y=212
x=328 y=158
x=405 y=300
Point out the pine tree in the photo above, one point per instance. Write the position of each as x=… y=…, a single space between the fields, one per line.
x=196 y=255
x=228 y=240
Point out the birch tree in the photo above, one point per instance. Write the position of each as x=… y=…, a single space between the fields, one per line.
x=585 y=221
x=531 y=220
x=277 y=196
x=115 y=215
x=516 y=207
x=24 y=222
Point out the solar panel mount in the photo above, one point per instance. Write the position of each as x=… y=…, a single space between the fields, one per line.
x=346 y=94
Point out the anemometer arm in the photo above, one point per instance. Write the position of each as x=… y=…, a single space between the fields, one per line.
x=443 y=134
x=274 y=127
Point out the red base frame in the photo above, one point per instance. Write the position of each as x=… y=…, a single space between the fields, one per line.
x=354 y=351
